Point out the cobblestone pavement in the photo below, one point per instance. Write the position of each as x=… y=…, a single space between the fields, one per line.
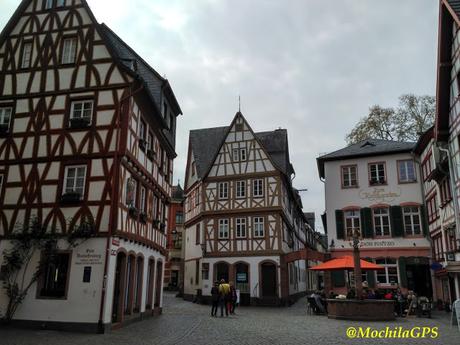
x=185 y=323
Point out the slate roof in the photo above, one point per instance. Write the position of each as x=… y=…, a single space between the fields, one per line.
x=455 y=4
x=365 y=148
x=205 y=143
x=154 y=83
x=177 y=192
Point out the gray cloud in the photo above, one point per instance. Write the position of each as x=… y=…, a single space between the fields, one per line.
x=313 y=67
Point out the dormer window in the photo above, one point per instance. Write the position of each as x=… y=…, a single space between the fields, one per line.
x=377 y=174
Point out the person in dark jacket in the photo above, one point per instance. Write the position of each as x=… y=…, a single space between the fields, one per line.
x=233 y=298
x=215 y=298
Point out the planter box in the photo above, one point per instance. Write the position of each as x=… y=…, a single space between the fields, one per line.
x=79 y=122
x=143 y=217
x=360 y=310
x=71 y=198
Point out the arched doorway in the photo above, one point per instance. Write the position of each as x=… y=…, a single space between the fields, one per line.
x=221 y=271
x=149 y=289
x=129 y=278
x=158 y=284
x=268 y=280
x=118 y=289
x=242 y=282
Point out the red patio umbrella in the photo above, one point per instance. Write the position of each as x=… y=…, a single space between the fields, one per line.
x=345 y=263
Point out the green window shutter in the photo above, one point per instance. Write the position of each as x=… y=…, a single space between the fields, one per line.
x=396 y=220
x=338 y=278
x=402 y=271
x=424 y=219
x=340 y=224
x=367 y=225
x=370 y=276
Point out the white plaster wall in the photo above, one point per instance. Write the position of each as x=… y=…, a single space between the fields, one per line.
x=83 y=299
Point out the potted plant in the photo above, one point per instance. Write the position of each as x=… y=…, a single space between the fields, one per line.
x=156 y=223
x=143 y=217
x=162 y=226
x=133 y=212
x=142 y=144
x=151 y=154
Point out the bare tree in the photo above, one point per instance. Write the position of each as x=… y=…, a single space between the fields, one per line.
x=413 y=116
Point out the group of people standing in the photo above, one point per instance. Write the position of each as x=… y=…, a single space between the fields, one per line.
x=224 y=295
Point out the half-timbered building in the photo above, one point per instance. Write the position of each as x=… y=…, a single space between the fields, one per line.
x=87 y=132
x=243 y=218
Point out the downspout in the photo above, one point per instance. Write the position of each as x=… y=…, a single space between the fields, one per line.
x=115 y=214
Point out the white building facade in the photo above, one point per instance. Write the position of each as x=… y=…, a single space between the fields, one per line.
x=375 y=187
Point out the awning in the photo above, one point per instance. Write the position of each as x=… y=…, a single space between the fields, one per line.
x=345 y=263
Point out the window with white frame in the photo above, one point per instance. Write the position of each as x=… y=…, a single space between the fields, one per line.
x=259 y=227
x=223 y=228
x=48 y=4
x=377 y=173
x=26 y=54
x=240 y=227
x=411 y=216
x=75 y=179
x=381 y=221
x=349 y=176
x=240 y=189
x=142 y=130
x=239 y=154
x=5 y=118
x=131 y=188
x=81 y=110
x=352 y=222
x=69 y=50
x=143 y=195
x=390 y=274
x=406 y=171
x=223 y=190
x=258 y=188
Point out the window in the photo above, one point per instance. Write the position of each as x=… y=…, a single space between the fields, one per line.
x=53 y=282
x=382 y=221
x=406 y=171
x=177 y=240
x=240 y=228
x=223 y=228
x=258 y=188
x=69 y=50
x=5 y=118
x=198 y=234
x=377 y=173
x=390 y=274
x=131 y=187
x=75 y=179
x=445 y=191
x=349 y=176
x=142 y=128
x=411 y=215
x=26 y=54
x=223 y=190
x=259 y=230
x=48 y=4
x=179 y=217
x=239 y=154
x=143 y=200
x=352 y=222
x=193 y=168
x=60 y=3
x=432 y=208
x=150 y=141
x=240 y=189
x=197 y=271
x=81 y=110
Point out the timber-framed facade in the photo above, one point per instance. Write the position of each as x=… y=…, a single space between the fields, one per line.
x=87 y=133
x=243 y=218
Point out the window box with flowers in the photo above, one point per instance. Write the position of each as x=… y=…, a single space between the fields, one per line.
x=133 y=211
x=79 y=122
x=71 y=197
x=143 y=217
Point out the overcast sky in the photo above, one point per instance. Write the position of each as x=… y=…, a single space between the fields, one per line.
x=311 y=66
